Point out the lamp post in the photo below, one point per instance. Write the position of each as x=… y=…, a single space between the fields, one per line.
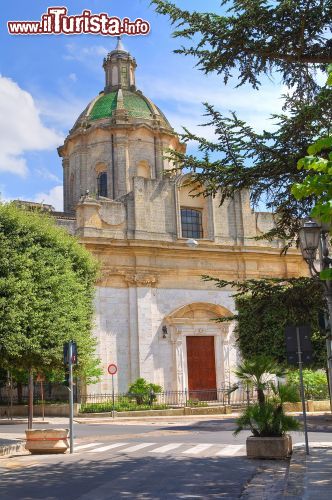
x=312 y=238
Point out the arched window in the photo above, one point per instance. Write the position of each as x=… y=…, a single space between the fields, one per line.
x=102 y=184
x=191 y=223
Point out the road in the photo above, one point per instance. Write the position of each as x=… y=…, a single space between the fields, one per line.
x=169 y=459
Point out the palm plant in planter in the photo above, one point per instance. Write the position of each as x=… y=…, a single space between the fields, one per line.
x=266 y=418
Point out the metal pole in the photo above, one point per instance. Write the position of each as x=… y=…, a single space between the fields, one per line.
x=42 y=398
x=325 y=264
x=71 y=398
x=112 y=395
x=329 y=341
x=11 y=396
x=299 y=353
x=30 y=400
x=248 y=395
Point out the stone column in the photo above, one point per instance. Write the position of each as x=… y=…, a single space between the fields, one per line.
x=158 y=158
x=133 y=354
x=121 y=166
x=140 y=325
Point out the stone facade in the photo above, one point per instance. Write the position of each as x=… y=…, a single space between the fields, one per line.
x=151 y=296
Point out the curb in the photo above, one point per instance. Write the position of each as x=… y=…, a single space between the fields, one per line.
x=295 y=481
x=11 y=449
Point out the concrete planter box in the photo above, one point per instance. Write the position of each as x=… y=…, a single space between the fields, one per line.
x=47 y=441
x=269 y=447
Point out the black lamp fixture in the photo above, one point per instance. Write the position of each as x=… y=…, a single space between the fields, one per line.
x=309 y=236
x=165 y=332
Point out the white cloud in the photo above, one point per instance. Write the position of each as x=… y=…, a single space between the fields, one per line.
x=21 y=128
x=54 y=197
x=72 y=77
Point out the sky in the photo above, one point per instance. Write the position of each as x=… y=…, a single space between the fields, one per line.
x=46 y=81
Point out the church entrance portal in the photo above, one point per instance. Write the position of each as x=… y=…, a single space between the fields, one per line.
x=201 y=368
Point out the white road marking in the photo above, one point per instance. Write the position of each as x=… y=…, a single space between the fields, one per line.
x=108 y=447
x=230 y=450
x=166 y=447
x=137 y=447
x=198 y=448
x=321 y=444
x=84 y=446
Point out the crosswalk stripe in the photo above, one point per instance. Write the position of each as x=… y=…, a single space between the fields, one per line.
x=137 y=447
x=198 y=448
x=166 y=447
x=84 y=446
x=108 y=447
x=230 y=450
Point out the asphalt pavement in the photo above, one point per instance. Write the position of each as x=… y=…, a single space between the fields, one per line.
x=149 y=460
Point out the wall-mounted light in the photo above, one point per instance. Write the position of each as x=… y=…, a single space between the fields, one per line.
x=165 y=332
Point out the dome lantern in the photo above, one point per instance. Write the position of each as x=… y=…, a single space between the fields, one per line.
x=119 y=68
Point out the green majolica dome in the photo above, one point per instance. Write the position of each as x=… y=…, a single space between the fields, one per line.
x=120 y=98
x=134 y=103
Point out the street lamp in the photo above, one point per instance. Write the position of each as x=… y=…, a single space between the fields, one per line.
x=312 y=238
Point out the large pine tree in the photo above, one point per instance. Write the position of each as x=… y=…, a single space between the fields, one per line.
x=252 y=39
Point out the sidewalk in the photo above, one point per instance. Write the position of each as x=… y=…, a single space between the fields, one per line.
x=310 y=476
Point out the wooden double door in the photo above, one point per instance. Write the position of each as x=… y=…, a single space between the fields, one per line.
x=201 y=368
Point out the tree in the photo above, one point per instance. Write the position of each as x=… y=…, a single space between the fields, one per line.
x=252 y=39
x=266 y=306
x=259 y=371
x=143 y=391
x=268 y=419
x=46 y=293
x=318 y=182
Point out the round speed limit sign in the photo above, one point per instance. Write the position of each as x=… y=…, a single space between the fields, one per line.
x=112 y=369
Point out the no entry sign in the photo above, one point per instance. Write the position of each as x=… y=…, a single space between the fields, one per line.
x=112 y=369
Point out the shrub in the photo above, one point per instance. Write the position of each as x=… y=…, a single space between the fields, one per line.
x=143 y=392
x=315 y=383
x=119 y=407
x=268 y=419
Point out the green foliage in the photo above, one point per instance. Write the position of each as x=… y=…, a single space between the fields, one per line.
x=318 y=183
x=123 y=405
x=315 y=383
x=143 y=391
x=259 y=371
x=267 y=419
x=287 y=37
x=266 y=306
x=252 y=38
x=46 y=294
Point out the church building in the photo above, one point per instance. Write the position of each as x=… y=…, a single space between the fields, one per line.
x=154 y=314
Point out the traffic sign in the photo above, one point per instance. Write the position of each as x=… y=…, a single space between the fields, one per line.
x=112 y=369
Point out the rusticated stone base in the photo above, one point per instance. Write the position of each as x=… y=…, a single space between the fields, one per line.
x=47 y=441
x=269 y=447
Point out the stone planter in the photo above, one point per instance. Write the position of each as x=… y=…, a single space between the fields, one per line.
x=44 y=441
x=269 y=447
